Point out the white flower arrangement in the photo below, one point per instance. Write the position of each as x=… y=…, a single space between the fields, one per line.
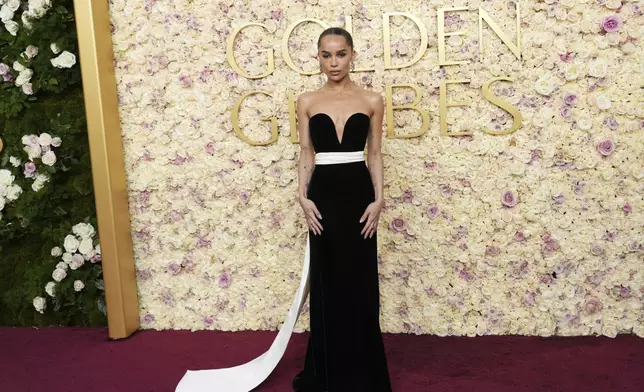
x=79 y=247
x=39 y=148
x=9 y=191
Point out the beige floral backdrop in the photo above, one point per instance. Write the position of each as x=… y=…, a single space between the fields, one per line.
x=537 y=232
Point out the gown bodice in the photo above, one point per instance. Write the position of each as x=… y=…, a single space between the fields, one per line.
x=324 y=136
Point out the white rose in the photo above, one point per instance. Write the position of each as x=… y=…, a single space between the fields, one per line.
x=78 y=285
x=13 y=192
x=39 y=7
x=40 y=304
x=86 y=246
x=24 y=76
x=98 y=249
x=56 y=142
x=12 y=27
x=37 y=185
x=50 y=288
x=26 y=19
x=59 y=274
x=573 y=71
x=49 y=158
x=62 y=266
x=18 y=67
x=6 y=14
x=54 y=48
x=28 y=88
x=33 y=151
x=64 y=60
x=67 y=257
x=15 y=162
x=71 y=243
x=44 y=139
x=31 y=51
x=585 y=123
x=6 y=178
x=598 y=68
x=2 y=204
x=544 y=85
x=603 y=101
x=56 y=251
x=13 y=5
x=77 y=262
x=83 y=230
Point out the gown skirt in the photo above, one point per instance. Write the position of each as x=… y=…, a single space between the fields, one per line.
x=345 y=351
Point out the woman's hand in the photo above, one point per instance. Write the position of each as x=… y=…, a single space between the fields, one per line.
x=312 y=215
x=372 y=215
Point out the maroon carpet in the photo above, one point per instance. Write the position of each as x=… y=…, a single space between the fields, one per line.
x=75 y=359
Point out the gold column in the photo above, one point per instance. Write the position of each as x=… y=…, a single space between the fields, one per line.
x=108 y=165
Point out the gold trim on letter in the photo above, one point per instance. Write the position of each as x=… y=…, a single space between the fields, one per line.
x=287 y=35
x=516 y=114
x=238 y=130
x=390 y=111
x=516 y=49
x=442 y=34
x=230 y=53
x=348 y=26
x=387 y=39
x=108 y=166
x=443 y=105
x=292 y=117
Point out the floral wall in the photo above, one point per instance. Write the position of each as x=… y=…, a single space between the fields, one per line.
x=537 y=232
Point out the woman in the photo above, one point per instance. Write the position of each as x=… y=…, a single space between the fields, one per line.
x=342 y=200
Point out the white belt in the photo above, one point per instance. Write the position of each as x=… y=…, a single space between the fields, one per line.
x=332 y=158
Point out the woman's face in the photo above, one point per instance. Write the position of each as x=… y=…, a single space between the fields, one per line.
x=335 y=56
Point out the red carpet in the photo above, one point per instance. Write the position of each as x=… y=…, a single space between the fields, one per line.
x=82 y=359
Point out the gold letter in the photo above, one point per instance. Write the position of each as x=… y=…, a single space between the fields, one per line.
x=387 y=39
x=230 y=48
x=442 y=34
x=444 y=105
x=391 y=108
x=287 y=55
x=348 y=25
x=518 y=118
x=292 y=116
x=238 y=130
x=516 y=49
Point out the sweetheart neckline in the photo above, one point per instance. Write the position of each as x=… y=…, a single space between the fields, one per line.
x=335 y=129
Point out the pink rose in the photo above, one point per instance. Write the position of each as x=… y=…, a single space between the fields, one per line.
x=224 y=280
x=174 y=268
x=628 y=208
x=611 y=24
x=593 y=305
x=30 y=168
x=606 y=147
x=509 y=199
x=433 y=212
x=398 y=225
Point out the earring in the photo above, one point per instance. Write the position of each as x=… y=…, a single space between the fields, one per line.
x=353 y=66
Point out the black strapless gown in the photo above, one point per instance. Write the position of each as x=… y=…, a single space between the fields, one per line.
x=345 y=350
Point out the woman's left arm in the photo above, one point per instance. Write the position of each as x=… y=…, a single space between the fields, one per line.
x=374 y=160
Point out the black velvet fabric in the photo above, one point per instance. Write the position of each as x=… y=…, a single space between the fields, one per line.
x=345 y=350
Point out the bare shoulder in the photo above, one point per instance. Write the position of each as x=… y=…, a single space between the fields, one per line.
x=305 y=99
x=374 y=99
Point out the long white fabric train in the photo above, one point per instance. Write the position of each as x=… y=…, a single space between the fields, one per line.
x=246 y=377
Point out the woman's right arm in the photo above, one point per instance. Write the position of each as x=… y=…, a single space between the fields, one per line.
x=306 y=164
